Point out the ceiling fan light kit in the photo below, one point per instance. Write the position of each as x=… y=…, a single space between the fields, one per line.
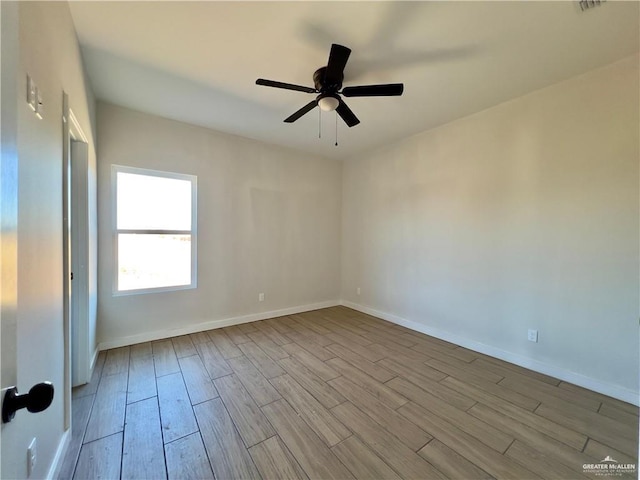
x=328 y=84
x=328 y=102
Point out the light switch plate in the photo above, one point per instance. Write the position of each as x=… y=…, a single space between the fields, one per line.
x=39 y=104
x=32 y=94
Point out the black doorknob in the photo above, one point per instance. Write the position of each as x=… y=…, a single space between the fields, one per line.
x=38 y=399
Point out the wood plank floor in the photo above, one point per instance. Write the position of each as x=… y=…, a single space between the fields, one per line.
x=334 y=393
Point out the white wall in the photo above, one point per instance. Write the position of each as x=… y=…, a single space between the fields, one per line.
x=48 y=51
x=268 y=221
x=522 y=216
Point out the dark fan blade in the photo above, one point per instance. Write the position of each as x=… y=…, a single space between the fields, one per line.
x=335 y=67
x=389 y=90
x=286 y=86
x=347 y=115
x=306 y=109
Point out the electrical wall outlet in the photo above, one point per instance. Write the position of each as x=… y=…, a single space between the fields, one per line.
x=358 y=291
x=261 y=297
x=32 y=455
x=532 y=335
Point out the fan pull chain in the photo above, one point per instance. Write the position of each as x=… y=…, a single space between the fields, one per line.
x=319 y=123
x=336 y=129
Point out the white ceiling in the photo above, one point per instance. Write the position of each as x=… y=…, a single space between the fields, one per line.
x=198 y=61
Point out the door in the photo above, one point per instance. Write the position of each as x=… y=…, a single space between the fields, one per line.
x=9 y=225
x=76 y=256
x=80 y=348
x=31 y=269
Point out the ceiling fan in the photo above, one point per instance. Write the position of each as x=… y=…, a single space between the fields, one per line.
x=328 y=82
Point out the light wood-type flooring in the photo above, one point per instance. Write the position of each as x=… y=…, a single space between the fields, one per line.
x=334 y=394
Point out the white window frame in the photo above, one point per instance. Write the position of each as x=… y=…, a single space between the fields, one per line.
x=115 y=169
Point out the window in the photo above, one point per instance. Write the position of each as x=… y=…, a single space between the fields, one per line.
x=154 y=230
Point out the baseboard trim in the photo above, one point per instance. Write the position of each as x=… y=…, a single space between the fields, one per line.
x=589 y=383
x=62 y=448
x=211 y=324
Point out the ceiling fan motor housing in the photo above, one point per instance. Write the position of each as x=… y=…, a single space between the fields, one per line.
x=319 y=77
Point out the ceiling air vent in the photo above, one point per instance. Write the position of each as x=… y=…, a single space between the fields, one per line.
x=587 y=4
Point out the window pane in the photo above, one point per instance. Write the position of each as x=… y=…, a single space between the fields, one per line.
x=153 y=261
x=157 y=203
